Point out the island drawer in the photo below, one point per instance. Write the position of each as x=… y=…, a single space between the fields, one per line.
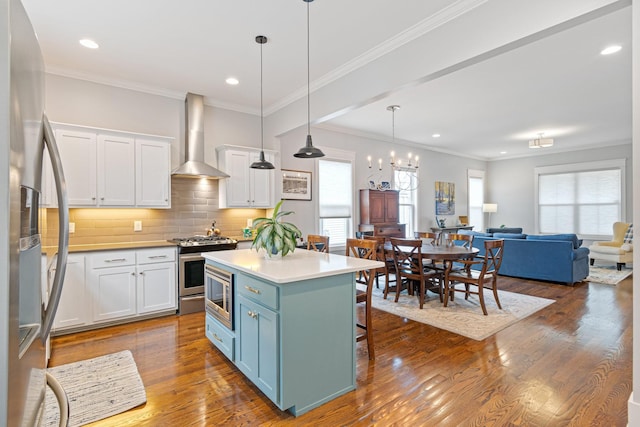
x=260 y=292
x=220 y=336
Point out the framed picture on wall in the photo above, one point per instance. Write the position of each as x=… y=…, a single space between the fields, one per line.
x=296 y=185
x=445 y=198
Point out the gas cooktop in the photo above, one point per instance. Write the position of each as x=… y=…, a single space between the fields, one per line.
x=203 y=241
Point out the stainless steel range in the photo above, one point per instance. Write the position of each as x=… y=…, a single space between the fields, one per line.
x=191 y=268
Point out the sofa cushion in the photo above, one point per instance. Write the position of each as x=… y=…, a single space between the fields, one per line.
x=475 y=233
x=514 y=230
x=509 y=236
x=565 y=237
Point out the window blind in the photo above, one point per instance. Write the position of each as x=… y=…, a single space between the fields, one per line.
x=335 y=189
x=583 y=202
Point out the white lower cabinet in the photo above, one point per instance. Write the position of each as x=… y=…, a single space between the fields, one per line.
x=113 y=292
x=156 y=287
x=72 y=312
x=115 y=286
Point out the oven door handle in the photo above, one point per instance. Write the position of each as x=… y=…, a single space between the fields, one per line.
x=188 y=258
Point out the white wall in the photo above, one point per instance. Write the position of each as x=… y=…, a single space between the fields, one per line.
x=433 y=167
x=634 y=399
x=92 y=104
x=510 y=183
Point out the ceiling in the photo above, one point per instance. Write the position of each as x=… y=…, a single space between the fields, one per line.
x=558 y=84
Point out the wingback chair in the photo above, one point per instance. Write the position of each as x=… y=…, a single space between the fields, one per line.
x=618 y=250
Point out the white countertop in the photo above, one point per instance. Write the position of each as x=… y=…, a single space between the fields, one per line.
x=296 y=266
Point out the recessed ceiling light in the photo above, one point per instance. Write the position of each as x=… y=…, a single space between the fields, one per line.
x=88 y=43
x=503 y=152
x=232 y=81
x=610 y=49
x=436 y=135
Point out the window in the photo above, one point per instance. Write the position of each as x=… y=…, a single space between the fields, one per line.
x=475 y=184
x=406 y=182
x=585 y=199
x=335 y=187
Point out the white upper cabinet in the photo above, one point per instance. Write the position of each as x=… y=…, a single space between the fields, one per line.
x=48 y=196
x=116 y=170
x=153 y=179
x=246 y=187
x=78 y=152
x=106 y=168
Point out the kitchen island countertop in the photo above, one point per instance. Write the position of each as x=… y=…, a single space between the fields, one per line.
x=296 y=266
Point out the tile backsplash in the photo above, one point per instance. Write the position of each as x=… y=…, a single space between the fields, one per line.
x=194 y=206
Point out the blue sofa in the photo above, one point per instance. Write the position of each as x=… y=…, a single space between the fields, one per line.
x=554 y=258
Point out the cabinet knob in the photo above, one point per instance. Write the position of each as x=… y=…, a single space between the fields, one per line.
x=133 y=274
x=141 y=273
x=101 y=198
x=252 y=314
x=93 y=198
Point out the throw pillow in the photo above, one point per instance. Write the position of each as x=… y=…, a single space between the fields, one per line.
x=628 y=236
x=515 y=230
x=509 y=236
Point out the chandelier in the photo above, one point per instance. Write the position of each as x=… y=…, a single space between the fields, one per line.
x=541 y=142
x=413 y=162
x=397 y=164
x=405 y=175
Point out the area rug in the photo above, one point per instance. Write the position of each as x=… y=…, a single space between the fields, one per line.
x=463 y=317
x=608 y=275
x=96 y=388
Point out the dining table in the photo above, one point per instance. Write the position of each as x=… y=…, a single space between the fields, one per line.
x=447 y=253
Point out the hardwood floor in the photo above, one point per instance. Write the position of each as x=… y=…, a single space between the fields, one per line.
x=569 y=364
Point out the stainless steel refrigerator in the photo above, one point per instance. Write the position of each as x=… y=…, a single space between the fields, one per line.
x=26 y=313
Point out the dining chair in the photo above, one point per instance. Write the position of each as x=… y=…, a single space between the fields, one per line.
x=432 y=238
x=485 y=278
x=463 y=240
x=316 y=242
x=381 y=255
x=365 y=249
x=410 y=271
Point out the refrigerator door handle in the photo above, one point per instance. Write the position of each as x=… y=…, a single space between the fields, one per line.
x=61 y=397
x=63 y=229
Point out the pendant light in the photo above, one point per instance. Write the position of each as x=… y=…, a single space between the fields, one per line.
x=262 y=163
x=308 y=151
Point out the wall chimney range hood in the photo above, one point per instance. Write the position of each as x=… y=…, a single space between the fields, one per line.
x=194 y=165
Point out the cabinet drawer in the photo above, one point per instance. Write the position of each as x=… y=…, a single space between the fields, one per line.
x=258 y=291
x=112 y=259
x=220 y=336
x=390 y=230
x=149 y=256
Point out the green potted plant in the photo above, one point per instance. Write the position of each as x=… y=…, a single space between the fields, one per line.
x=274 y=235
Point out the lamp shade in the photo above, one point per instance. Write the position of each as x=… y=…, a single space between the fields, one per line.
x=489 y=207
x=309 y=151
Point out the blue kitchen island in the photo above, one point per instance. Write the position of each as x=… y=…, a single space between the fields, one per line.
x=293 y=328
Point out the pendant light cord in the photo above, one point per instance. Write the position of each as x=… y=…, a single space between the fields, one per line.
x=261 y=104
x=308 y=78
x=393 y=126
